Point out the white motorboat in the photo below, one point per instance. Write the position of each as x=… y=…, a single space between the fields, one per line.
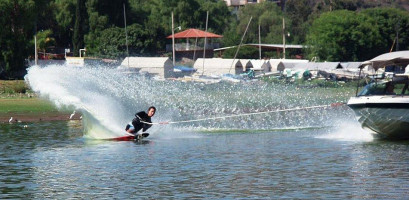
x=383 y=105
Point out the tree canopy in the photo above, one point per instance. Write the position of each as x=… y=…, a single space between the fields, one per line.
x=355 y=36
x=342 y=30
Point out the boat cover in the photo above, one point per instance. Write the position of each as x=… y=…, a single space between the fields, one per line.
x=393 y=58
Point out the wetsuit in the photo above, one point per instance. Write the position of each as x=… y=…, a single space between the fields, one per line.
x=137 y=123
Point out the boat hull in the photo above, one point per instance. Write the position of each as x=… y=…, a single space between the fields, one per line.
x=385 y=120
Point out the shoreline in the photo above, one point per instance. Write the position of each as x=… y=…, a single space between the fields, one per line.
x=37 y=117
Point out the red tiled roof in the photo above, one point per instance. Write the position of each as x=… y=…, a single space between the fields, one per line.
x=194 y=33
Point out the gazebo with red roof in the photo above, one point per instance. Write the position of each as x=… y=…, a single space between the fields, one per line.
x=193 y=51
x=194 y=33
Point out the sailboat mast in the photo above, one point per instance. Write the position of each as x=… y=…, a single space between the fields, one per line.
x=241 y=42
x=204 y=49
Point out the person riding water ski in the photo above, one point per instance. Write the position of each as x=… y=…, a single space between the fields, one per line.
x=142 y=121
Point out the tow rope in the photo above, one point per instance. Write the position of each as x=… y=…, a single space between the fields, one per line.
x=246 y=114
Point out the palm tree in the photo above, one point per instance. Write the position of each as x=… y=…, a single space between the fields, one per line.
x=44 y=40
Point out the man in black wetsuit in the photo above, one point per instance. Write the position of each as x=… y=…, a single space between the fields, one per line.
x=142 y=121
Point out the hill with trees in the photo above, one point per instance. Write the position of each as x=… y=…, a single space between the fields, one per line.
x=333 y=30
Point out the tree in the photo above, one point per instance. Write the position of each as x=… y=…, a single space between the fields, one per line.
x=44 y=40
x=44 y=14
x=15 y=36
x=302 y=13
x=265 y=14
x=245 y=52
x=356 y=36
x=299 y=14
x=187 y=14
x=219 y=15
x=80 y=26
x=112 y=42
x=342 y=36
x=112 y=10
x=64 y=13
x=392 y=24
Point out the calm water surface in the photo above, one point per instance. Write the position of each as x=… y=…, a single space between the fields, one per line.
x=53 y=160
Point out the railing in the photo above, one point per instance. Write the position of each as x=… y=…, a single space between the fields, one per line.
x=191 y=47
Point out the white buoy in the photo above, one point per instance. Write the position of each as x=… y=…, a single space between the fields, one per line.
x=72 y=115
x=25 y=126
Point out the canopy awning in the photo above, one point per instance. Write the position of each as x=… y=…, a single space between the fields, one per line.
x=194 y=33
x=395 y=58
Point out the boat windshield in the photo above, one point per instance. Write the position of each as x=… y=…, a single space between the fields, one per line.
x=394 y=87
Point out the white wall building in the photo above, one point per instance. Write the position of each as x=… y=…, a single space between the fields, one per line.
x=278 y=64
x=261 y=65
x=236 y=3
x=218 y=66
x=159 y=66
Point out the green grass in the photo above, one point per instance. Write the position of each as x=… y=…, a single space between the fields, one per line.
x=13 y=87
x=25 y=105
x=313 y=83
x=16 y=97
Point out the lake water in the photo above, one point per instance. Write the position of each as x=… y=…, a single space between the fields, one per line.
x=53 y=160
x=311 y=153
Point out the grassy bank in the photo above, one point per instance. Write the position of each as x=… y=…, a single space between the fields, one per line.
x=313 y=83
x=13 y=87
x=19 y=102
x=29 y=110
x=25 y=105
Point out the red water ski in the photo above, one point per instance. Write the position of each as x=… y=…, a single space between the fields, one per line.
x=124 y=138
x=131 y=137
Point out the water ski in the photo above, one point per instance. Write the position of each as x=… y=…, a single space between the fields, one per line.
x=139 y=136
x=123 y=138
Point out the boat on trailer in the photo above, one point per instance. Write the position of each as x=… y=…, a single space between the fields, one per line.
x=382 y=106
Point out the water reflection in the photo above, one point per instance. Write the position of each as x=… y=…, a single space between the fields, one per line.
x=380 y=163
x=18 y=143
x=53 y=160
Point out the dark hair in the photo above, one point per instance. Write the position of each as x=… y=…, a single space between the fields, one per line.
x=152 y=107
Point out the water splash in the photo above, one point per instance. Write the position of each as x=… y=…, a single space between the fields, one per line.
x=348 y=130
x=108 y=99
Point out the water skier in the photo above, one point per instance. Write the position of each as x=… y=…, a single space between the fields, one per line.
x=142 y=121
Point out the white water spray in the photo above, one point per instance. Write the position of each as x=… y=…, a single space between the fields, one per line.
x=81 y=89
x=348 y=131
x=108 y=100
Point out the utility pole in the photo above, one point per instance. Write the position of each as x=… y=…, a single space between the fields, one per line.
x=35 y=50
x=283 y=38
x=173 y=41
x=35 y=44
x=397 y=35
x=126 y=36
x=283 y=9
x=259 y=42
